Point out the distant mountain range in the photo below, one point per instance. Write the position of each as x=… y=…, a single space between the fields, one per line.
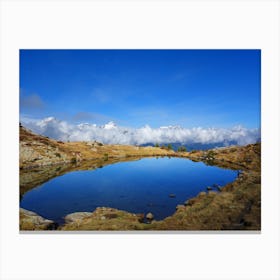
x=196 y=146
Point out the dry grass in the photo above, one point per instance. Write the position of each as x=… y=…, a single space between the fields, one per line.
x=104 y=218
x=36 y=150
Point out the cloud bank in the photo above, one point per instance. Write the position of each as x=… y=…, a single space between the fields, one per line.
x=110 y=133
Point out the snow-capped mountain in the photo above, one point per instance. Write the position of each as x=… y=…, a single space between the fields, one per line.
x=111 y=133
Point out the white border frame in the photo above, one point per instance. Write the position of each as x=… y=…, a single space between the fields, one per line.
x=139 y=24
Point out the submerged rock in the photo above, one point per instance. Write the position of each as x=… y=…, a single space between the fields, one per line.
x=172 y=195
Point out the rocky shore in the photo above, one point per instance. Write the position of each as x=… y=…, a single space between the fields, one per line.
x=32 y=221
x=236 y=206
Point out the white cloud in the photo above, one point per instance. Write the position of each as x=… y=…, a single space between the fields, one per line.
x=113 y=134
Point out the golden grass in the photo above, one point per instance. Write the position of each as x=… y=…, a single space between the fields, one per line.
x=104 y=218
x=43 y=151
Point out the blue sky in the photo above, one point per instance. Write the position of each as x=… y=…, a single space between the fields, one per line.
x=191 y=88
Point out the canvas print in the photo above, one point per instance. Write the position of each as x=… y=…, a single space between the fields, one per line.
x=140 y=140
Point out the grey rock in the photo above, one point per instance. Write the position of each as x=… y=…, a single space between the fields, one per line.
x=73 y=217
x=37 y=221
x=180 y=207
x=150 y=216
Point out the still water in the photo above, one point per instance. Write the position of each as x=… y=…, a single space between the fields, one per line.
x=146 y=185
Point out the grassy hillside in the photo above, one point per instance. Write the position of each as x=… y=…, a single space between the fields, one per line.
x=37 y=150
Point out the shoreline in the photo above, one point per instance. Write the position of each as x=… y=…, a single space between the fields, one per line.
x=236 y=207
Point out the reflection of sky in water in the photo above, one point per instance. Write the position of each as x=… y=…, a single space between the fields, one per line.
x=137 y=186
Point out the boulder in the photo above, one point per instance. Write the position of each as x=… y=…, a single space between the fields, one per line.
x=32 y=221
x=150 y=216
x=74 y=217
x=180 y=207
